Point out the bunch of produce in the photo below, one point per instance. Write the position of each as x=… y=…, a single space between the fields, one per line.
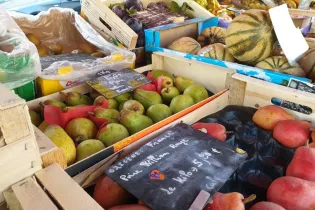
x=256 y=4
x=139 y=18
x=250 y=39
x=290 y=190
x=57 y=48
x=85 y=133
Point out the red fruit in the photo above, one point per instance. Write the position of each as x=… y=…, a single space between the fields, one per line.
x=229 y=201
x=303 y=164
x=163 y=82
x=292 y=133
x=150 y=76
x=311 y=145
x=130 y=207
x=266 y=206
x=148 y=87
x=267 y=117
x=213 y=129
x=208 y=207
x=313 y=135
x=108 y=193
x=292 y=193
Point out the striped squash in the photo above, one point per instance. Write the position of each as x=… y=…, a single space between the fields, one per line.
x=307 y=63
x=185 y=45
x=216 y=51
x=280 y=64
x=250 y=37
x=211 y=36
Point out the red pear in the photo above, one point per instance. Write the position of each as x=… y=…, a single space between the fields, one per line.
x=292 y=193
x=212 y=129
x=303 y=164
x=148 y=87
x=311 y=145
x=267 y=117
x=292 y=133
x=130 y=207
x=230 y=201
x=266 y=206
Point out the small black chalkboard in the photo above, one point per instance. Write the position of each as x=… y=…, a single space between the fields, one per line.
x=170 y=171
x=113 y=83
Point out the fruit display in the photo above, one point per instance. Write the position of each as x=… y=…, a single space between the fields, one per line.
x=216 y=51
x=82 y=127
x=155 y=14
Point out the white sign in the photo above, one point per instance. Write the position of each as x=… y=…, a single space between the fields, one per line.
x=290 y=38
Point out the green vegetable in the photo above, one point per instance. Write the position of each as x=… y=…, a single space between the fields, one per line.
x=203 y=3
x=174 y=7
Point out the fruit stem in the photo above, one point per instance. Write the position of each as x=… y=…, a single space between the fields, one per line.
x=249 y=199
x=62 y=93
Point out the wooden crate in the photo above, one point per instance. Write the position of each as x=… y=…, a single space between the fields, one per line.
x=243 y=91
x=101 y=16
x=50 y=189
x=215 y=79
x=19 y=154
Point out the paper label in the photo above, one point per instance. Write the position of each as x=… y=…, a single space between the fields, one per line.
x=290 y=38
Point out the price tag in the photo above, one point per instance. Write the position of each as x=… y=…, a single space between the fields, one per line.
x=290 y=38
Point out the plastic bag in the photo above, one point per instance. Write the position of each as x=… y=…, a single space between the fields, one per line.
x=66 y=27
x=19 y=60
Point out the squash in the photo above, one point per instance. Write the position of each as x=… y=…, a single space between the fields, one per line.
x=185 y=45
x=250 y=37
x=280 y=64
x=211 y=36
x=216 y=51
x=307 y=63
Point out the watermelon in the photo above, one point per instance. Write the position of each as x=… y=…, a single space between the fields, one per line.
x=250 y=37
x=307 y=63
x=216 y=51
x=185 y=45
x=280 y=64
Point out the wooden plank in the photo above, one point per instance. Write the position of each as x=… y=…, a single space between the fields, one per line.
x=65 y=191
x=308 y=13
x=259 y=93
x=157 y=61
x=11 y=201
x=31 y=196
x=49 y=152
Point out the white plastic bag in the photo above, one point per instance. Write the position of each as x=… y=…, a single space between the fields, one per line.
x=19 y=60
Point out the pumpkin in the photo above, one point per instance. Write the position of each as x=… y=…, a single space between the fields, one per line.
x=185 y=45
x=216 y=51
x=211 y=36
x=250 y=37
x=307 y=63
x=280 y=64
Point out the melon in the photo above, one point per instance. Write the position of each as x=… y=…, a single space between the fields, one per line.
x=280 y=64
x=307 y=63
x=185 y=45
x=250 y=37
x=216 y=51
x=211 y=36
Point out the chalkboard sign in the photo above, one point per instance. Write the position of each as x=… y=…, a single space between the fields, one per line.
x=113 y=83
x=170 y=171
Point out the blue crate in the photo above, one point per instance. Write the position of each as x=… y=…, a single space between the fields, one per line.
x=153 y=44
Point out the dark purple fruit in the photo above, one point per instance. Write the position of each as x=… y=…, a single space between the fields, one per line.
x=130 y=3
x=119 y=11
x=162 y=5
x=134 y=24
x=138 y=7
x=125 y=18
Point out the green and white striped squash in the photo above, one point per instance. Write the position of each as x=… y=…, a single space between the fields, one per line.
x=280 y=64
x=211 y=36
x=307 y=63
x=185 y=45
x=216 y=51
x=250 y=37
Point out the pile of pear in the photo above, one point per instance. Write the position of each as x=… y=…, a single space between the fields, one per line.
x=126 y=114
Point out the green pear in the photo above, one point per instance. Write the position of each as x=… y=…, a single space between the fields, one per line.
x=35 y=118
x=147 y=98
x=112 y=115
x=112 y=133
x=157 y=73
x=133 y=105
x=166 y=81
x=158 y=112
x=121 y=106
x=52 y=102
x=181 y=102
x=74 y=98
x=197 y=92
x=182 y=83
x=88 y=148
x=100 y=100
x=112 y=104
x=169 y=93
x=123 y=97
x=134 y=122
x=80 y=129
